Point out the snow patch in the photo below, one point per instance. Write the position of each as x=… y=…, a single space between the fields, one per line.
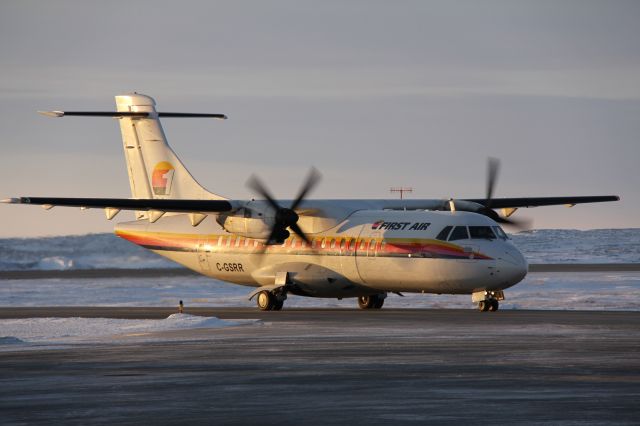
x=55 y=263
x=10 y=340
x=74 y=330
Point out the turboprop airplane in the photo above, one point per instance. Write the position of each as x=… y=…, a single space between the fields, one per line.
x=358 y=248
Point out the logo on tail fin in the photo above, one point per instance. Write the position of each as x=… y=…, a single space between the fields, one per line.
x=162 y=178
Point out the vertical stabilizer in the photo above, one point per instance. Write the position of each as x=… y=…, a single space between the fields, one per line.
x=154 y=169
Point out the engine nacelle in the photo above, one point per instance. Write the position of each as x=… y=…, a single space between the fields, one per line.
x=465 y=206
x=251 y=223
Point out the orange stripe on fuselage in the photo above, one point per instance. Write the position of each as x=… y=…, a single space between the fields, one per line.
x=345 y=246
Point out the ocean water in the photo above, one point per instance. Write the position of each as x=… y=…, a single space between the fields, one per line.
x=94 y=251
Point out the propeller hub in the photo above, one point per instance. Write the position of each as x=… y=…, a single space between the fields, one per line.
x=286 y=217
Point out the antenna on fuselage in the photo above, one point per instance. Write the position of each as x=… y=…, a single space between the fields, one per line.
x=401 y=190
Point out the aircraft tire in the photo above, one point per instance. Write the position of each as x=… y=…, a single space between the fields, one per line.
x=379 y=303
x=365 y=302
x=277 y=305
x=374 y=301
x=265 y=301
x=483 y=305
x=494 y=305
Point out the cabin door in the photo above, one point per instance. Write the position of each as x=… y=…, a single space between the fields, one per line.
x=204 y=252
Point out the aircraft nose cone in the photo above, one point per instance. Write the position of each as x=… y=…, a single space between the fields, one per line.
x=513 y=267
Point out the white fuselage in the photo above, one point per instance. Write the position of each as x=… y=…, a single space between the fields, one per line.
x=368 y=252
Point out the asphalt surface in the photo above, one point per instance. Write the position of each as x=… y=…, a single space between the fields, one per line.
x=340 y=366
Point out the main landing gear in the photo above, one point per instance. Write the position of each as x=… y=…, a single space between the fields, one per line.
x=270 y=301
x=374 y=301
x=488 y=301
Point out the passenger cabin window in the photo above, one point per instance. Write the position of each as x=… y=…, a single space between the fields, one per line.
x=459 y=233
x=481 y=233
x=442 y=236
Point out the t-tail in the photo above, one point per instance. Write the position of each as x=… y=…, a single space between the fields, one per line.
x=155 y=171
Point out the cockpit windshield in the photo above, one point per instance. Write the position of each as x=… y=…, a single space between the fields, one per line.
x=459 y=233
x=472 y=232
x=500 y=233
x=444 y=233
x=481 y=232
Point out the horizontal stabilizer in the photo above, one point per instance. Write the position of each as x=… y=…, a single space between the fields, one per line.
x=131 y=114
x=191 y=115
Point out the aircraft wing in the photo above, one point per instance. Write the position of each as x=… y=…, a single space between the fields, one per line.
x=217 y=206
x=165 y=205
x=505 y=203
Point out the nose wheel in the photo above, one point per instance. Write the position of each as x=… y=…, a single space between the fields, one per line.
x=488 y=301
x=490 y=305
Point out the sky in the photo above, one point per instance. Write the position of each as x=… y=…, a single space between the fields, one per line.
x=374 y=94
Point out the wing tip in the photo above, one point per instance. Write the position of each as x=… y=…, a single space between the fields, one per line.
x=54 y=114
x=12 y=200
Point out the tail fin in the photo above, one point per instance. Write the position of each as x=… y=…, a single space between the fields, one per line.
x=154 y=169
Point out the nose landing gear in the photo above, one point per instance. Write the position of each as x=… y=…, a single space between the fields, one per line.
x=490 y=305
x=488 y=300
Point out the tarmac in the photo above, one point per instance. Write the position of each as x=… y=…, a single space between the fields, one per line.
x=334 y=366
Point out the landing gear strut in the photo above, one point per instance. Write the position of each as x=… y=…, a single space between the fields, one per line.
x=374 y=301
x=269 y=301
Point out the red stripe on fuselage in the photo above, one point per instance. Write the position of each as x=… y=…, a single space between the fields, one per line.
x=332 y=245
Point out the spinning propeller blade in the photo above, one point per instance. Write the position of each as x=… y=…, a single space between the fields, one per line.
x=285 y=217
x=493 y=169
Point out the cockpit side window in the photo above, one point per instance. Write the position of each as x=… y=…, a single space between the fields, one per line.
x=442 y=236
x=459 y=233
x=500 y=233
x=481 y=232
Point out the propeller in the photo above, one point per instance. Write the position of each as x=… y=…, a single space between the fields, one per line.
x=285 y=217
x=493 y=169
